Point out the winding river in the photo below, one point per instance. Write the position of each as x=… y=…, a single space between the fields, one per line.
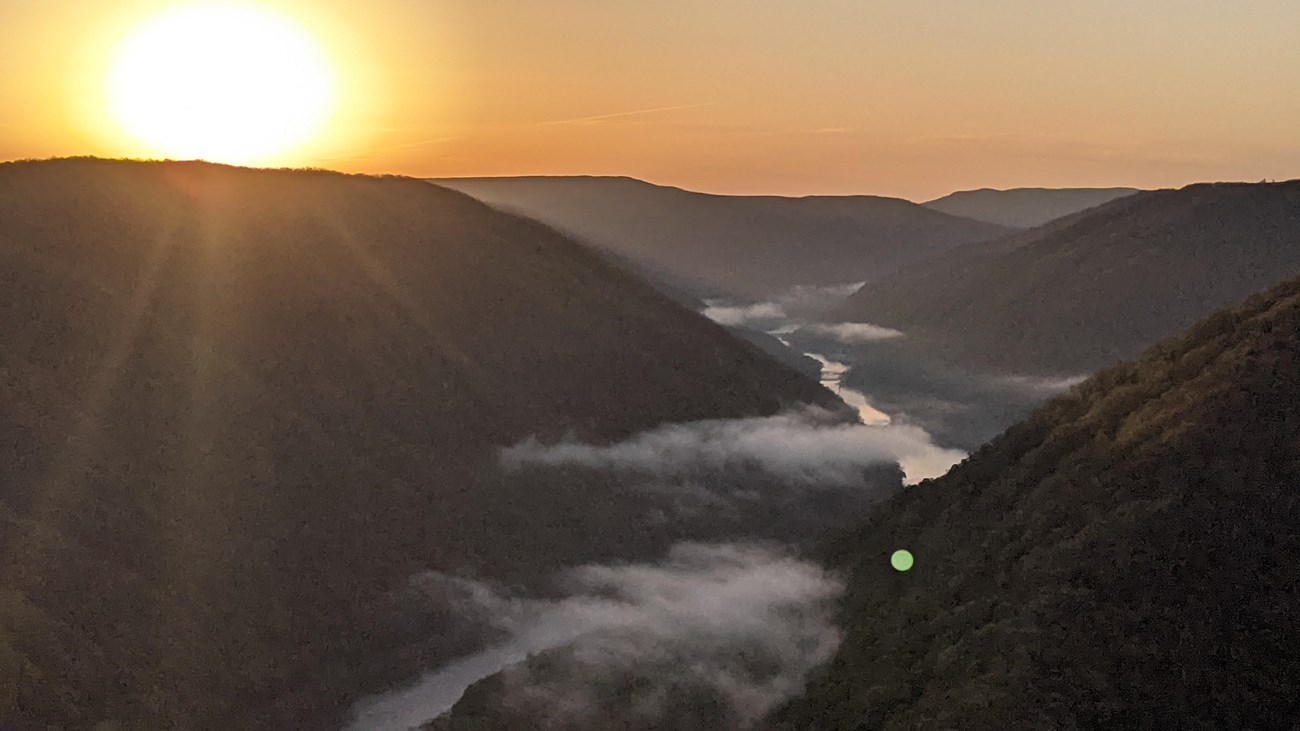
x=436 y=692
x=832 y=378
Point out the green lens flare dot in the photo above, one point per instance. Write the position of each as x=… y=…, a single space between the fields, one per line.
x=902 y=560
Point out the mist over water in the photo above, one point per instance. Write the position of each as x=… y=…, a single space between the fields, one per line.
x=833 y=379
x=807 y=448
x=856 y=333
x=887 y=377
x=734 y=315
x=885 y=437
x=701 y=617
x=796 y=304
x=434 y=693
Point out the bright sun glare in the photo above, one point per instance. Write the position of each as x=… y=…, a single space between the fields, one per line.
x=225 y=82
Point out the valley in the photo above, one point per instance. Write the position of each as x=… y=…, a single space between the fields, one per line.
x=559 y=482
x=897 y=379
x=732 y=246
x=252 y=404
x=1095 y=511
x=649 y=366
x=874 y=439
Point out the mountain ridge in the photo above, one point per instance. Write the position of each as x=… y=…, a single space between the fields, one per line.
x=1080 y=292
x=1024 y=207
x=245 y=406
x=1123 y=556
x=714 y=245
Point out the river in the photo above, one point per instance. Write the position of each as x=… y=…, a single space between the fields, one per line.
x=436 y=692
x=833 y=379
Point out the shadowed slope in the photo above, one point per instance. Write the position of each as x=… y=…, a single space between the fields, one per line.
x=739 y=245
x=239 y=406
x=1084 y=291
x=1024 y=207
x=1125 y=557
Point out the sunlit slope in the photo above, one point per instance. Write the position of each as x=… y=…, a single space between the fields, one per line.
x=1126 y=557
x=1080 y=293
x=239 y=406
x=741 y=245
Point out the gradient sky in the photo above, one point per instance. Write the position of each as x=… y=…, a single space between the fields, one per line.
x=896 y=97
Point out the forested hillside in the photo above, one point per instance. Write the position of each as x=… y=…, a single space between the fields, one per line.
x=238 y=408
x=1126 y=557
x=1082 y=292
x=1024 y=207
x=750 y=246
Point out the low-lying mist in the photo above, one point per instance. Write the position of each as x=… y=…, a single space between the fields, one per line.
x=855 y=333
x=794 y=304
x=960 y=407
x=729 y=623
x=732 y=315
x=810 y=448
x=713 y=636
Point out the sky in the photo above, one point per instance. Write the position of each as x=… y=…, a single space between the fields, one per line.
x=911 y=98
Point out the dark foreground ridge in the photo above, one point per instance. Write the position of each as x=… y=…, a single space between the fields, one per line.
x=1126 y=557
x=238 y=407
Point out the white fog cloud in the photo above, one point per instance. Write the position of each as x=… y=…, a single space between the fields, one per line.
x=814 y=301
x=809 y=447
x=793 y=306
x=743 y=623
x=1040 y=385
x=856 y=333
x=735 y=315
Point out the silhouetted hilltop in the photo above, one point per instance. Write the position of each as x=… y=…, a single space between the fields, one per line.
x=738 y=245
x=1086 y=290
x=1024 y=207
x=1126 y=557
x=240 y=407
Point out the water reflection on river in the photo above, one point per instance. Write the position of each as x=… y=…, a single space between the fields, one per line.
x=833 y=377
x=436 y=692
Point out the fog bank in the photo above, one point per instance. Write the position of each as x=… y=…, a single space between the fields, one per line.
x=806 y=448
x=740 y=623
x=855 y=333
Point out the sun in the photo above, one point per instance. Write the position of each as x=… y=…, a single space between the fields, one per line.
x=220 y=81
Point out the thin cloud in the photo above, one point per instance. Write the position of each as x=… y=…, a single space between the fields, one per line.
x=632 y=113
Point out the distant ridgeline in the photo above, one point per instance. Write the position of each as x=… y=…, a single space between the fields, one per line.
x=1125 y=558
x=1084 y=291
x=239 y=408
x=747 y=246
x=1024 y=207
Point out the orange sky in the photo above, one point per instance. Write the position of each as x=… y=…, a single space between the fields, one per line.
x=913 y=98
